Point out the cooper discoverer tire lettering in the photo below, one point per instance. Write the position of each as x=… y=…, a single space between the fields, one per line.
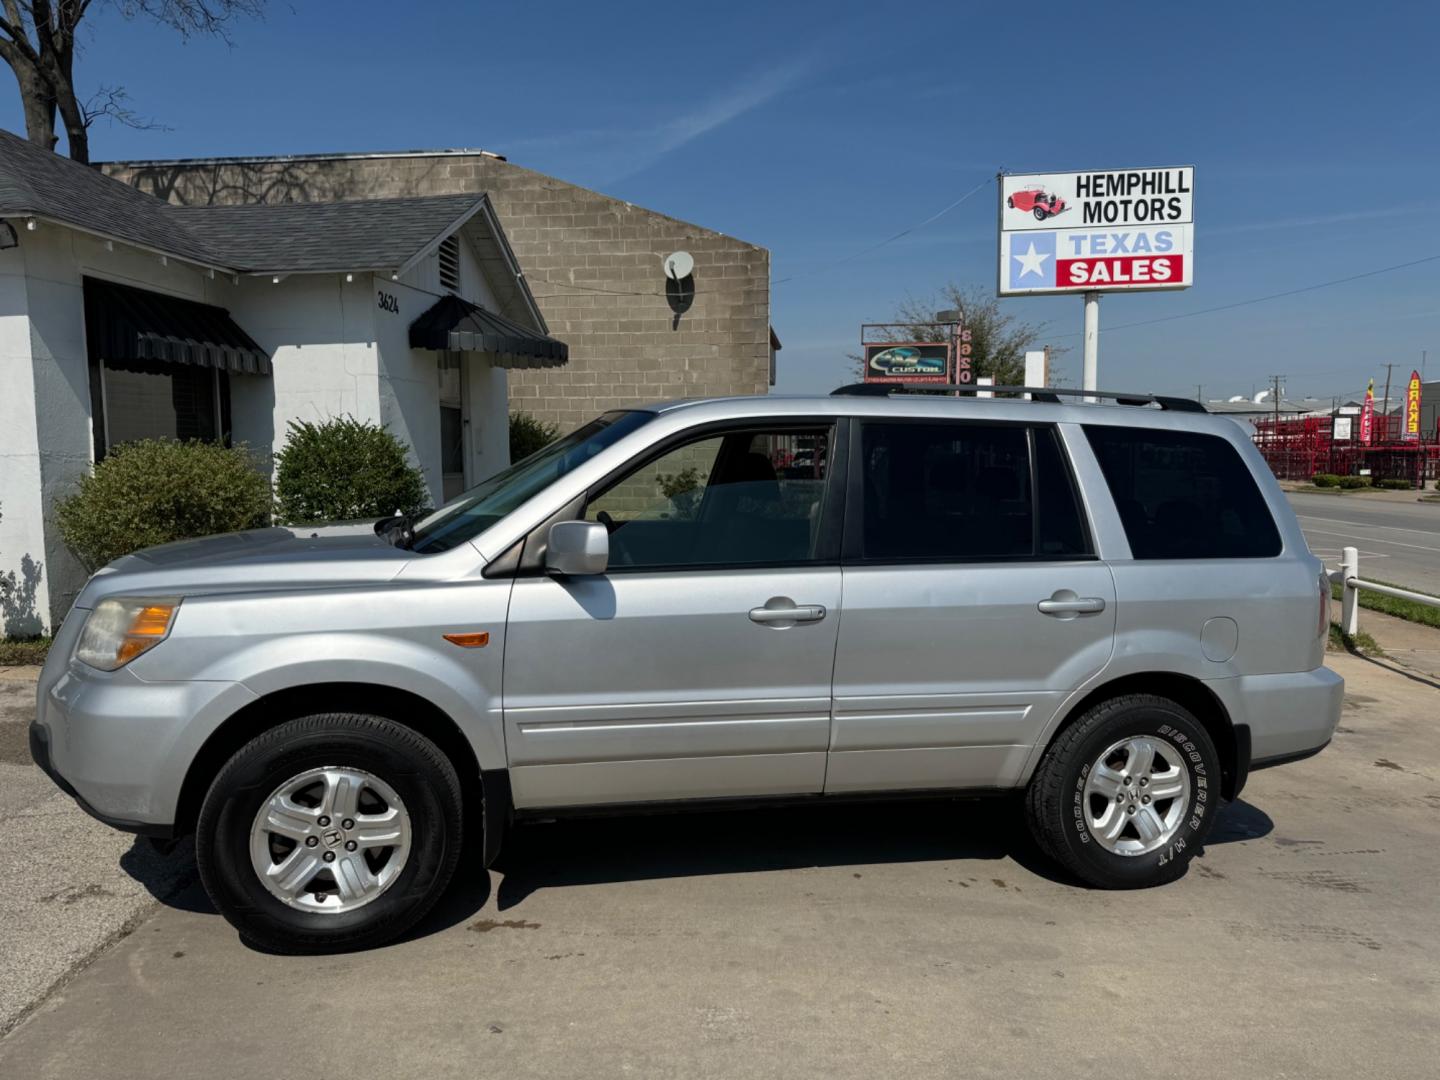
x=330 y=832
x=1125 y=796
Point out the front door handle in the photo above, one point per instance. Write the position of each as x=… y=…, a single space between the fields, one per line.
x=1066 y=603
x=782 y=611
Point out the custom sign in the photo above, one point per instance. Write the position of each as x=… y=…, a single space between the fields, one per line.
x=1410 y=430
x=1119 y=231
x=1340 y=429
x=1367 y=414
x=910 y=361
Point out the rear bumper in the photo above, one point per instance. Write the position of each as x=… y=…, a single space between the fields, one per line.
x=1289 y=716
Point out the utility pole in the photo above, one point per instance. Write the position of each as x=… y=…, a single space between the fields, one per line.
x=1385 y=410
x=1199 y=392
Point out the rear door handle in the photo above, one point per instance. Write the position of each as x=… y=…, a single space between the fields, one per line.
x=1077 y=605
x=792 y=614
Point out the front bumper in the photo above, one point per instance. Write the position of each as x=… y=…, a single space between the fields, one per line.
x=121 y=746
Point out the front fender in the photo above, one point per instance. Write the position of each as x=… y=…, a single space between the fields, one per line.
x=390 y=636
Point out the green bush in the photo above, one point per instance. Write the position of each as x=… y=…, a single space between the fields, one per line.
x=527 y=435
x=157 y=490
x=1325 y=480
x=1394 y=483
x=1352 y=482
x=343 y=470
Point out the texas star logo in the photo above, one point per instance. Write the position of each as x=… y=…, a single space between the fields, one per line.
x=1032 y=260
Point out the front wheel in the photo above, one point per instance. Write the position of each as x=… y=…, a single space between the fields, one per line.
x=1126 y=795
x=1039 y=212
x=330 y=832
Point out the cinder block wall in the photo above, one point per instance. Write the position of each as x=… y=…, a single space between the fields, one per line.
x=593 y=262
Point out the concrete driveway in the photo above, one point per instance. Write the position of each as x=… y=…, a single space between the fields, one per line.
x=905 y=940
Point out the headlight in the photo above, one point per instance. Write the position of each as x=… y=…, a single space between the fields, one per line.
x=118 y=630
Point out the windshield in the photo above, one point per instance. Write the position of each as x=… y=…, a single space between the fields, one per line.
x=470 y=514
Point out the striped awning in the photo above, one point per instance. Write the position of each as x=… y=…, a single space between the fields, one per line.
x=455 y=324
x=126 y=324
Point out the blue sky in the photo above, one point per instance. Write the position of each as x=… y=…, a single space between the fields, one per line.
x=818 y=130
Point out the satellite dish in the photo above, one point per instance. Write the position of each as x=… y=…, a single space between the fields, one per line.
x=679 y=266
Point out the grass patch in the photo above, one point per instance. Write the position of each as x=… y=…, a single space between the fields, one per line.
x=1361 y=643
x=15 y=651
x=1408 y=610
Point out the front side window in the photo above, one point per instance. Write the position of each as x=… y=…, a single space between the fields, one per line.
x=746 y=498
x=1183 y=495
x=482 y=506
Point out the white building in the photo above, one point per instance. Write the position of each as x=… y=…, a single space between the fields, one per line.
x=124 y=317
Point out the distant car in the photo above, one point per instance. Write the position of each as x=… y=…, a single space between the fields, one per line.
x=1036 y=201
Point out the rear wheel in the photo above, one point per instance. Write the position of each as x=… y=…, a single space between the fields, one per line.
x=1126 y=795
x=330 y=832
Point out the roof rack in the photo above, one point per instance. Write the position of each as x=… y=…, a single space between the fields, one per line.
x=1048 y=394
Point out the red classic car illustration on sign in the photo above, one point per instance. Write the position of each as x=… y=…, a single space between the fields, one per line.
x=1036 y=201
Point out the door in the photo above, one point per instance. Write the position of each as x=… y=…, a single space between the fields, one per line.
x=973 y=604
x=453 y=422
x=699 y=665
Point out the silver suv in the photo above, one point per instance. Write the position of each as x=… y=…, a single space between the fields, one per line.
x=1109 y=608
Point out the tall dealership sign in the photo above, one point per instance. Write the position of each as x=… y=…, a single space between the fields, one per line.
x=1410 y=429
x=1125 y=230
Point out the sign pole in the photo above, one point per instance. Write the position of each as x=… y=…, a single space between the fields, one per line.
x=1092 y=343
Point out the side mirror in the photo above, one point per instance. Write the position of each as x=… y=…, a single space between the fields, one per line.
x=576 y=548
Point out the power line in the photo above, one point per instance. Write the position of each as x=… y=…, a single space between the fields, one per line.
x=1272 y=296
x=792 y=277
x=888 y=240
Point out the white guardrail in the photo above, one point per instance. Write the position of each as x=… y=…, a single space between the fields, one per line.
x=1348 y=576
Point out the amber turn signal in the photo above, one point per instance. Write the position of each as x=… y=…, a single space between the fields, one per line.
x=470 y=641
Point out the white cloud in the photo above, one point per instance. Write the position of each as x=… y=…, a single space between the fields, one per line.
x=616 y=153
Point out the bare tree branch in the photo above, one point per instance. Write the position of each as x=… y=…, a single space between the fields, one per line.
x=109 y=103
x=37 y=42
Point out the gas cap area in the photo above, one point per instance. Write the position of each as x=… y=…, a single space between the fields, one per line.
x=1219 y=638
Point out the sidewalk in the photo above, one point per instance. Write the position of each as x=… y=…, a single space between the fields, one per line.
x=1412 y=645
x=1300 y=487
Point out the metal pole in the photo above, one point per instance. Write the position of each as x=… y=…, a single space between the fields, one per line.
x=1092 y=343
x=1349 y=595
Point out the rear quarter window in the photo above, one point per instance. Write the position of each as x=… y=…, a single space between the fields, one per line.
x=1183 y=495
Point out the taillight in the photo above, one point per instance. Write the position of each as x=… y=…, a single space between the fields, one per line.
x=1324 y=627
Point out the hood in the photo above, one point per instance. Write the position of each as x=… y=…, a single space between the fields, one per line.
x=257 y=560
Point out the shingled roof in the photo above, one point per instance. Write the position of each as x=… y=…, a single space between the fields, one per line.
x=35 y=182
x=373 y=234
x=386 y=235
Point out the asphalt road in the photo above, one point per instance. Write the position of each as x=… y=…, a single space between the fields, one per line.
x=1399 y=542
x=917 y=939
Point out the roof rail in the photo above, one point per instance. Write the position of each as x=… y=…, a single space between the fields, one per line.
x=1048 y=394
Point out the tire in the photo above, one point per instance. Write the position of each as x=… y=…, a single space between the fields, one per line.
x=1069 y=804
x=404 y=800
x=1010 y=201
x=1039 y=212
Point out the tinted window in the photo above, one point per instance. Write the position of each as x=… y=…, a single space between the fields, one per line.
x=946 y=491
x=1183 y=496
x=750 y=498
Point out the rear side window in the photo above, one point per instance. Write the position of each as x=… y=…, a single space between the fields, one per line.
x=962 y=492
x=1182 y=495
